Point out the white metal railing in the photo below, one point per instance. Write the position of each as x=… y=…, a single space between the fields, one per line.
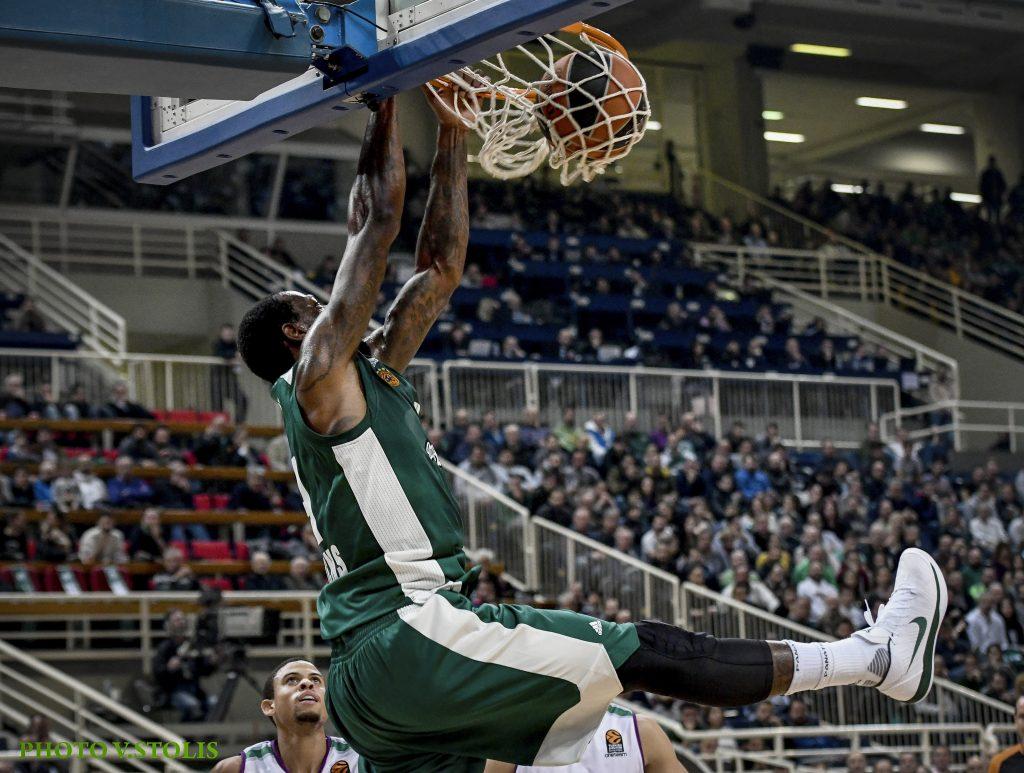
x=178 y=382
x=988 y=421
x=808 y=409
x=496 y=523
x=108 y=626
x=142 y=243
x=843 y=268
x=720 y=745
x=61 y=301
x=743 y=262
x=247 y=269
x=76 y=711
x=565 y=558
x=705 y=610
x=963 y=740
x=1001 y=736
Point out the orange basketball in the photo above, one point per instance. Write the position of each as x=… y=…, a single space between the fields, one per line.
x=591 y=102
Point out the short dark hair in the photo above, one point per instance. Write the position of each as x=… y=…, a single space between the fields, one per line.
x=268 y=685
x=260 y=340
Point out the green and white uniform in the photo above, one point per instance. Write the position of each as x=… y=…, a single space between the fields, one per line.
x=419 y=679
x=265 y=757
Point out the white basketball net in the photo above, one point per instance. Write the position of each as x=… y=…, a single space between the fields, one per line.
x=507 y=108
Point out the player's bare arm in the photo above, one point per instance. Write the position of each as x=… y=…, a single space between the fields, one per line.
x=327 y=384
x=229 y=765
x=659 y=756
x=440 y=248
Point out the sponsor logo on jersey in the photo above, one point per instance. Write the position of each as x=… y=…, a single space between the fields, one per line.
x=613 y=740
x=340 y=767
x=388 y=377
x=431 y=452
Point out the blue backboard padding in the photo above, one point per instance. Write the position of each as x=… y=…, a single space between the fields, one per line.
x=466 y=40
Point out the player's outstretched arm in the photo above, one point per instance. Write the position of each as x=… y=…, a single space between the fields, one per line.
x=229 y=765
x=325 y=367
x=659 y=756
x=440 y=248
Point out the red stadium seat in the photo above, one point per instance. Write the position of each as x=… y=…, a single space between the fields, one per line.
x=98 y=579
x=47 y=580
x=208 y=416
x=110 y=455
x=211 y=550
x=183 y=416
x=202 y=502
x=31 y=549
x=220 y=501
x=241 y=551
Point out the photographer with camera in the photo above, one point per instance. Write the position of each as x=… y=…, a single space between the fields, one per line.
x=180 y=663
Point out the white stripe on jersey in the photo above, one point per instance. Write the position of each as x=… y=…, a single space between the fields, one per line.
x=615 y=748
x=391 y=518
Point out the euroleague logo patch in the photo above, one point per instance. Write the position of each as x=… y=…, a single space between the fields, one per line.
x=388 y=377
x=340 y=767
x=613 y=740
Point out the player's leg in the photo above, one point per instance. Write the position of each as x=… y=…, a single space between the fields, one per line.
x=502 y=682
x=895 y=654
x=514 y=683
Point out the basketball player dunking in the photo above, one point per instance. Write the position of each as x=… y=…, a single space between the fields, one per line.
x=420 y=680
x=293 y=699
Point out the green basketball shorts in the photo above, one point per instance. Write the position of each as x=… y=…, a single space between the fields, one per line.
x=443 y=686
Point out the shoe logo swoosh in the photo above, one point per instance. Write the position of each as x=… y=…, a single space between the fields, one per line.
x=922 y=628
x=929 y=654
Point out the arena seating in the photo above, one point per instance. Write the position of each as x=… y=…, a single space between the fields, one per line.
x=929 y=232
x=21 y=328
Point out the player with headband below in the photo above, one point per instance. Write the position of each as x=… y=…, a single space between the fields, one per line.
x=420 y=680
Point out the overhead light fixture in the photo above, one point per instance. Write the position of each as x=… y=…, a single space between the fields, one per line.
x=816 y=50
x=783 y=137
x=846 y=188
x=884 y=104
x=654 y=126
x=966 y=198
x=772 y=115
x=942 y=128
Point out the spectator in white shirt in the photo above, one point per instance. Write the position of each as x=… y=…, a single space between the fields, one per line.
x=816 y=589
x=987 y=530
x=92 y=489
x=985 y=625
x=103 y=544
x=600 y=436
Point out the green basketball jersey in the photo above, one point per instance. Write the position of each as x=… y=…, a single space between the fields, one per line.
x=380 y=506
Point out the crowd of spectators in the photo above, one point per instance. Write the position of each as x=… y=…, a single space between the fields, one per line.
x=977 y=248
x=808 y=536
x=54 y=473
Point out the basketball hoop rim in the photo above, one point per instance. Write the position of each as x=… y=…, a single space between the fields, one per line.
x=581 y=28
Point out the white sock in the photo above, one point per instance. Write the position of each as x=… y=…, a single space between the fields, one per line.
x=850 y=661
